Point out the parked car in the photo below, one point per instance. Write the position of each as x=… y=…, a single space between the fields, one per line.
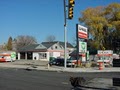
x=60 y=62
x=57 y=61
x=72 y=62
x=2 y=59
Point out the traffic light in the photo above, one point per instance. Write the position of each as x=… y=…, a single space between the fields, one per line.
x=70 y=8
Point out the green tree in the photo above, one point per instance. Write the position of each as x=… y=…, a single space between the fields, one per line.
x=112 y=14
x=103 y=24
x=94 y=20
x=9 y=44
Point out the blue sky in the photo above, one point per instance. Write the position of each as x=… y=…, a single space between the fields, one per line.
x=41 y=18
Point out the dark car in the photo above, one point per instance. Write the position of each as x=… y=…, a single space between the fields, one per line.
x=57 y=61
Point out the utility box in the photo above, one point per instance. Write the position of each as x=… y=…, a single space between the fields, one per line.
x=116 y=62
x=116 y=81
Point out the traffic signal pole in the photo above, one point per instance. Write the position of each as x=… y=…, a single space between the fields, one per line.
x=65 y=34
x=70 y=16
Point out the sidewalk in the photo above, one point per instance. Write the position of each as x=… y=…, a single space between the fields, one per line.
x=42 y=65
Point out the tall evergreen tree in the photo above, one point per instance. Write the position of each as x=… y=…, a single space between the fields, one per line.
x=9 y=44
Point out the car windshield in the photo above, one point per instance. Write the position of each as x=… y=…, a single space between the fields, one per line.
x=1 y=56
x=72 y=58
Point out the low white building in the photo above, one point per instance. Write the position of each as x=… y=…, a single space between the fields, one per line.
x=44 y=51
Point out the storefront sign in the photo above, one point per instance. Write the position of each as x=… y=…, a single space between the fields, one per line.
x=105 y=52
x=82 y=32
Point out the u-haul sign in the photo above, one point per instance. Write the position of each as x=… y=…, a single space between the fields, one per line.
x=82 y=46
x=105 y=52
x=82 y=32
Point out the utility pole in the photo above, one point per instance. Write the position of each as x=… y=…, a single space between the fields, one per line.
x=65 y=34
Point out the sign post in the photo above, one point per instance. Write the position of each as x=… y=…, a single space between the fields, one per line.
x=81 y=33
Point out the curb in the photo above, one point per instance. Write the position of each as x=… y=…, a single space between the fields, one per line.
x=59 y=69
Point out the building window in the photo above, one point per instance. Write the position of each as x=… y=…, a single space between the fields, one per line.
x=55 y=47
x=51 y=54
x=42 y=55
x=52 y=48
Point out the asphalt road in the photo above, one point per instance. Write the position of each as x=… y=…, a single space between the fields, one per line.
x=19 y=79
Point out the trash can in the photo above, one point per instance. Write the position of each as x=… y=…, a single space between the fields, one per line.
x=101 y=65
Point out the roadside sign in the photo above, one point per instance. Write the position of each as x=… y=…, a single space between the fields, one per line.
x=82 y=32
x=13 y=55
x=82 y=46
x=105 y=52
x=88 y=56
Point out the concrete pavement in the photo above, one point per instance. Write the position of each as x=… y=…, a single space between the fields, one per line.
x=43 y=65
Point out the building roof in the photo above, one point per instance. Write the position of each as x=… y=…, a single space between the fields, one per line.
x=68 y=45
x=33 y=47
x=49 y=44
x=42 y=47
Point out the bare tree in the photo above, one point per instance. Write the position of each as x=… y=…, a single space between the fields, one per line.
x=22 y=41
x=50 y=38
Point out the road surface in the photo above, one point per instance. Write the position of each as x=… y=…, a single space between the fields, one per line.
x=20 y=79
